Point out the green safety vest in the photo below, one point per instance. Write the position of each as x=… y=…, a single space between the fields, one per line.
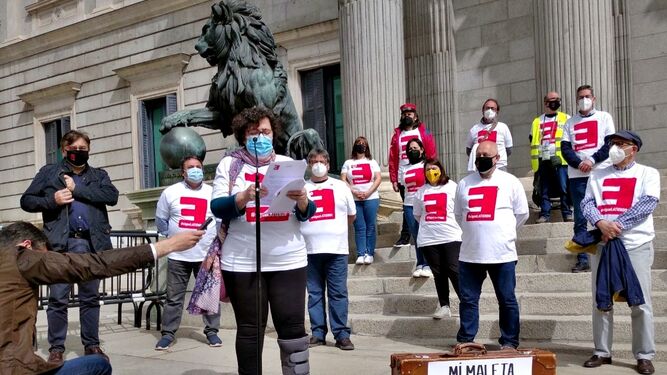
x=561 y=119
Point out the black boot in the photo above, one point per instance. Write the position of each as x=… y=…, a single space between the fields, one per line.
x=294 y=356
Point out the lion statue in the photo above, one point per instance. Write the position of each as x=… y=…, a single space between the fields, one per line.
x=249 y=74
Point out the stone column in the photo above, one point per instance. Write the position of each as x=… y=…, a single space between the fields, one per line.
x=430 y=66
x=575 y=46
x=372 y=70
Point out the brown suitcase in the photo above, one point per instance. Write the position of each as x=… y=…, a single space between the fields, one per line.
x=473 y=359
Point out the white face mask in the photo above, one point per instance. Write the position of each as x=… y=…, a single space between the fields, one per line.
x=585 y=104
x=489 y=114
x=616 y=154
x=319 y=169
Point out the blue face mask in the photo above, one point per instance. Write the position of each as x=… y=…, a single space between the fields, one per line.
x=263 y=146
x=195 y=175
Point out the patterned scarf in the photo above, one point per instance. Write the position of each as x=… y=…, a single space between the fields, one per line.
x=209 y=288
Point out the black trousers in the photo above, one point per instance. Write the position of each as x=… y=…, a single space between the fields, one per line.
x=405 y=230
x=283 y=291
x=444 y=262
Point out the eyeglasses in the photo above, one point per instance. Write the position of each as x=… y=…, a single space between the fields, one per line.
x=493 y=108
x=620 y=143
x=74 y=148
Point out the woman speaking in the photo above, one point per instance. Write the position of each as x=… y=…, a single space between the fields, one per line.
x=283 y=251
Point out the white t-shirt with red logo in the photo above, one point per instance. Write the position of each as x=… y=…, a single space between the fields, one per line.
x=586 y=134
x=283 y=247
x=615 y=191
x=500 y=134
x=435 y=207
x=187 y=209
x=403 y=139
x=485 y=209
x=326 y=231
x=413 y=179
x=361 y=174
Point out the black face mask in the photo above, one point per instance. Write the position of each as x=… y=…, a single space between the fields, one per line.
x=77 y=158
x=414 y=156
x=359 y=149
x=484 y=163
x=406 y=122
x=553 y=105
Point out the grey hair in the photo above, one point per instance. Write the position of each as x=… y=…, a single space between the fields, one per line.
x=316 y=152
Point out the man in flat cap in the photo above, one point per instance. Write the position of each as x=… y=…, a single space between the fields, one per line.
x=620 y=201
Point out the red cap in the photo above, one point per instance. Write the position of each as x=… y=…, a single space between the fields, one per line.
x=409 y=107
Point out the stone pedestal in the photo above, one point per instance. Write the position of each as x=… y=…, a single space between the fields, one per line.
x=372 y=69
x=430 y=70
x=575 y=46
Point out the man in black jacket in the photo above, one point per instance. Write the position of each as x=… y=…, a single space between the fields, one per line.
x=72 y=197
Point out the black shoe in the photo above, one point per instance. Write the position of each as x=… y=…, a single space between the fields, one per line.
x=581 y=268
x=644 y=366
x=345 y=344
x=316 y=341
x=597 y=361
x=404 y=240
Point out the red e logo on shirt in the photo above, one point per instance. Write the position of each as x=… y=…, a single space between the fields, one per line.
x=192 y=218
x=484 y=135
x=435 y=206
x=618 y=193
x=585 y=135
x=250 y=210
x=414 y=179
x=403 y=143
x=484 y=207
x=549 y=131
x=324 y=201
x=361 y=173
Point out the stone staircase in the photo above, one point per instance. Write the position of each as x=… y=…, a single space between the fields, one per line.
x=555 y=303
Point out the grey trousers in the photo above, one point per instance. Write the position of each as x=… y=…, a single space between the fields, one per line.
x=643 y=335
x=178 y=277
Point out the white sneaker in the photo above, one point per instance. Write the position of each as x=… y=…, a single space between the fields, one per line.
x=442 y=312
x=417 y=272
x=368 y=259
x=360 y=260
x=426 y=272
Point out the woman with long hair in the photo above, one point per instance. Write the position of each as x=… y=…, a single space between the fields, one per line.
x=439 y=236
x=362 y=175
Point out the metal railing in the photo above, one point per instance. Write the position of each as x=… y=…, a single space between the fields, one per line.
x=138 y=288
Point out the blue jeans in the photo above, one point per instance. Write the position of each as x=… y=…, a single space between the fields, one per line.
x=93 y=364
x=471 y=278
x=549 y=176
x=578 y=191
x=178 y=277
x=89 y=310
x=413 y=225
x=364 y=226
x=328 y=271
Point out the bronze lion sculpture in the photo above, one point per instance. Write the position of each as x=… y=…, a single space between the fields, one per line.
x=238 y=42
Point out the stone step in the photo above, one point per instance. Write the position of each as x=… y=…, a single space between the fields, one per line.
x=573 y=303
x=402 y=268
x=562 y=229
x=533 y=327
x=555 y=245
x=554 y=282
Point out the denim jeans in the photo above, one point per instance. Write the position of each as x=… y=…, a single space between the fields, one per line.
x=414 y=231
x=550 y=176
x=89 y=310
x=578 y=191
x=328 y=271
x=364 y=226
x=178 y=276
x=471 y=278
x=93 y=364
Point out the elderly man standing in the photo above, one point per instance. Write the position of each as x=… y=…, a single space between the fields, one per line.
x=546 y=157
x=584 y=149
x=326 y=242
x=490 y=206
x=620 y=201
x=72 y=197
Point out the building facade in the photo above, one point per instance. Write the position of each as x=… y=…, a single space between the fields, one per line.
x=114 y=68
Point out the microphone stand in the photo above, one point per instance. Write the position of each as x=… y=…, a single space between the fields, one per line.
x=258 y=262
